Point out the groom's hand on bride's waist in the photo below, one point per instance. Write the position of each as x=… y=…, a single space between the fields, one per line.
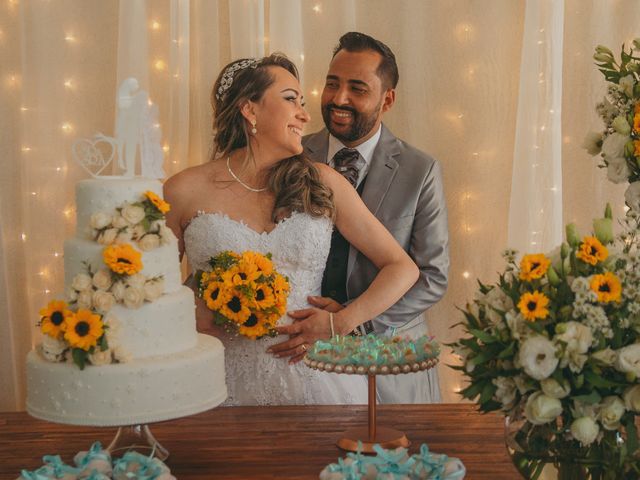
x=310 y=324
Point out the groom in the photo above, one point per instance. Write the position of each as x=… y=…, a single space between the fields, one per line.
x=401 y=185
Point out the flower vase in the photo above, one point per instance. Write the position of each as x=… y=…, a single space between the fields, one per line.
x=548 y=452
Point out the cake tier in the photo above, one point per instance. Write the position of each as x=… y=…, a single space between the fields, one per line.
x=105 y=194
x=143 y=391
x=163 y=260
x=162 y=327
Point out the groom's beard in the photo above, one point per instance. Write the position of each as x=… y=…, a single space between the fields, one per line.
x=361 y=123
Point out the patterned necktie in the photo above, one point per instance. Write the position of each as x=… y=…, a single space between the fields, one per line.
x=348 y=163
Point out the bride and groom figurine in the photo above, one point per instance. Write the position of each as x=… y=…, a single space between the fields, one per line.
x=352 y=215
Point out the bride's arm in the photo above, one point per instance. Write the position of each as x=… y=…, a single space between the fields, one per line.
x=397 y=271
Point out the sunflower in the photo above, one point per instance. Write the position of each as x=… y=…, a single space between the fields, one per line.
x=53 y=318
x=607 y=286
x=84 y=329
x=215 y=295
x=157 y=202
x=241 y=274
x=255 y=326
x=262 y=263
x=592 y=251
x=235 y=307
x=533 y=266
x=264 y=297
x=280 y=284
x=533 y=305
x=123 y=259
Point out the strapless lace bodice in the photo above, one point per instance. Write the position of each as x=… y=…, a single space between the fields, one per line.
x=299 y=246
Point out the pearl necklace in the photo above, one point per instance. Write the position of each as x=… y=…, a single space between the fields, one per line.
x=235 y=177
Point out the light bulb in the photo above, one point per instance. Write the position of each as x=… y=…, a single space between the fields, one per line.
x=69 y=84
x=155 y=25
x=466 y=274
x=23 y=236
x=165 y=147
x=317 y=8
x=302 y=57
x=26 y=149
x=314 y=92
x=160 y=65
x=66 y=127
x=70 y=38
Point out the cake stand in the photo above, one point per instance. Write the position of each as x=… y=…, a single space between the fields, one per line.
x=362 y=439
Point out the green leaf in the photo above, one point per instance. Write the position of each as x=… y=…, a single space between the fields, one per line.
x=472 y=390
x=146 y=224
x=483 y=336
x=507 y=352
x=599 y=380
x=487 y=392
x=590 y=398
x=632 y=434
x=79 y=357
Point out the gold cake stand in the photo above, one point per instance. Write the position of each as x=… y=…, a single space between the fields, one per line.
x=362 y=439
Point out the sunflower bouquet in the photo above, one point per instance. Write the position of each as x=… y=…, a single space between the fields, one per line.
x=244 y=292
x=555 y=346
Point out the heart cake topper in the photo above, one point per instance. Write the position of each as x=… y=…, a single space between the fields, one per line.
x=94 y=155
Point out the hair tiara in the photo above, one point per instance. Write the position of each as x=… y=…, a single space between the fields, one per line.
x=227 y=76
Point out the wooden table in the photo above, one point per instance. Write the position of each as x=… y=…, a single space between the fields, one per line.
x=271 y=442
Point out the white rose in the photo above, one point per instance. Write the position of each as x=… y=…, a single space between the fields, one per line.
x=85 y=299
x=621 y=125
x=506 y=391
x=585 y=430
x=107 y=237
x=133 y=297
x=592 y=143
x=71 y=295
x=617 y=170
x=100 y=220
x=118 y=289
x=538 y=357
x=517 y=324
x=613 y=145
x=133 y=214
x=541 y=409
x=102 y=279
x=149 y=242
x=53 y=349
x=121 y=355
x=103 y=301
x=577 y=336
x=612 y=409
x=123 y=237
x=524 y=384
x=554 y=389
x=632 y=398
x=81 y=281
x=166 y=234
x=99 y=357
x=138 y=280
x=119 y=222
x=606 y=356
x=626 y=84
x=137 y=232
x=153 y=289
x=628 y=360
x=496 y=299
x=632 y=196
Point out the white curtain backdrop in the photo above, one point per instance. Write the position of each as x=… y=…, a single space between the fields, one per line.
x=500 y=91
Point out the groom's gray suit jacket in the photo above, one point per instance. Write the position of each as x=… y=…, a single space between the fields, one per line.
x=404 y=191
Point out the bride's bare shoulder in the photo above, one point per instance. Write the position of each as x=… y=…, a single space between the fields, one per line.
x=186 y=180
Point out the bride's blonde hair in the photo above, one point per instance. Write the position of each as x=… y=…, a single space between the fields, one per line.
x=294 y=181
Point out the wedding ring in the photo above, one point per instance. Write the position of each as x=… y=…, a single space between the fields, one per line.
x=304 y=347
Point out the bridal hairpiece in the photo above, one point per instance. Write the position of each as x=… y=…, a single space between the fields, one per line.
x=227 y=77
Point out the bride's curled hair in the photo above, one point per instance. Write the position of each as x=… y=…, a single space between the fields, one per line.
x=295 y=181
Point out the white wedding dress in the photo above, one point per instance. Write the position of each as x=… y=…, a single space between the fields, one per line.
x=299 y=246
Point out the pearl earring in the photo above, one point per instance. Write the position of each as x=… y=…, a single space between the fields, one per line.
x=253 y=127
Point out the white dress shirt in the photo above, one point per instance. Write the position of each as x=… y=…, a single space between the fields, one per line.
x=364 y=149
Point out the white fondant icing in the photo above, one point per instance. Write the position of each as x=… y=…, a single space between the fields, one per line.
x=142 y=391
x=160 y=261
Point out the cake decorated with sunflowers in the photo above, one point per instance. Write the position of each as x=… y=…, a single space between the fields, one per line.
x=121 y=346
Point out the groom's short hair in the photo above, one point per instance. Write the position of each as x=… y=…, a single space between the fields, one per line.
x=358 y=42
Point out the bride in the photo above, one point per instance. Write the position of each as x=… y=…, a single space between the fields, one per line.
x=261 y=193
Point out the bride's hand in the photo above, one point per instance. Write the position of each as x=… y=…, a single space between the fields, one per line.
x=325 y=303
x=309 y=325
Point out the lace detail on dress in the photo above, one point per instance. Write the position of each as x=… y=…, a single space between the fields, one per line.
x=299 y=246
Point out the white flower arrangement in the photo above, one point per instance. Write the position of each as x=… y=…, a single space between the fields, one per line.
x=142 y=222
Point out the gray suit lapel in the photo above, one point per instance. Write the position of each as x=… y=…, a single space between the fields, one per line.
x=381 y=172
x=316 y=146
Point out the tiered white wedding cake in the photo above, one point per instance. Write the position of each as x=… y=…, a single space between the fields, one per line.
x=123 y=348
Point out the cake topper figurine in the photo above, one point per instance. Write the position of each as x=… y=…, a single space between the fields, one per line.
x=137 y=130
